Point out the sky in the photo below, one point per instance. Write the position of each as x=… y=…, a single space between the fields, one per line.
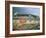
x=26 y=10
